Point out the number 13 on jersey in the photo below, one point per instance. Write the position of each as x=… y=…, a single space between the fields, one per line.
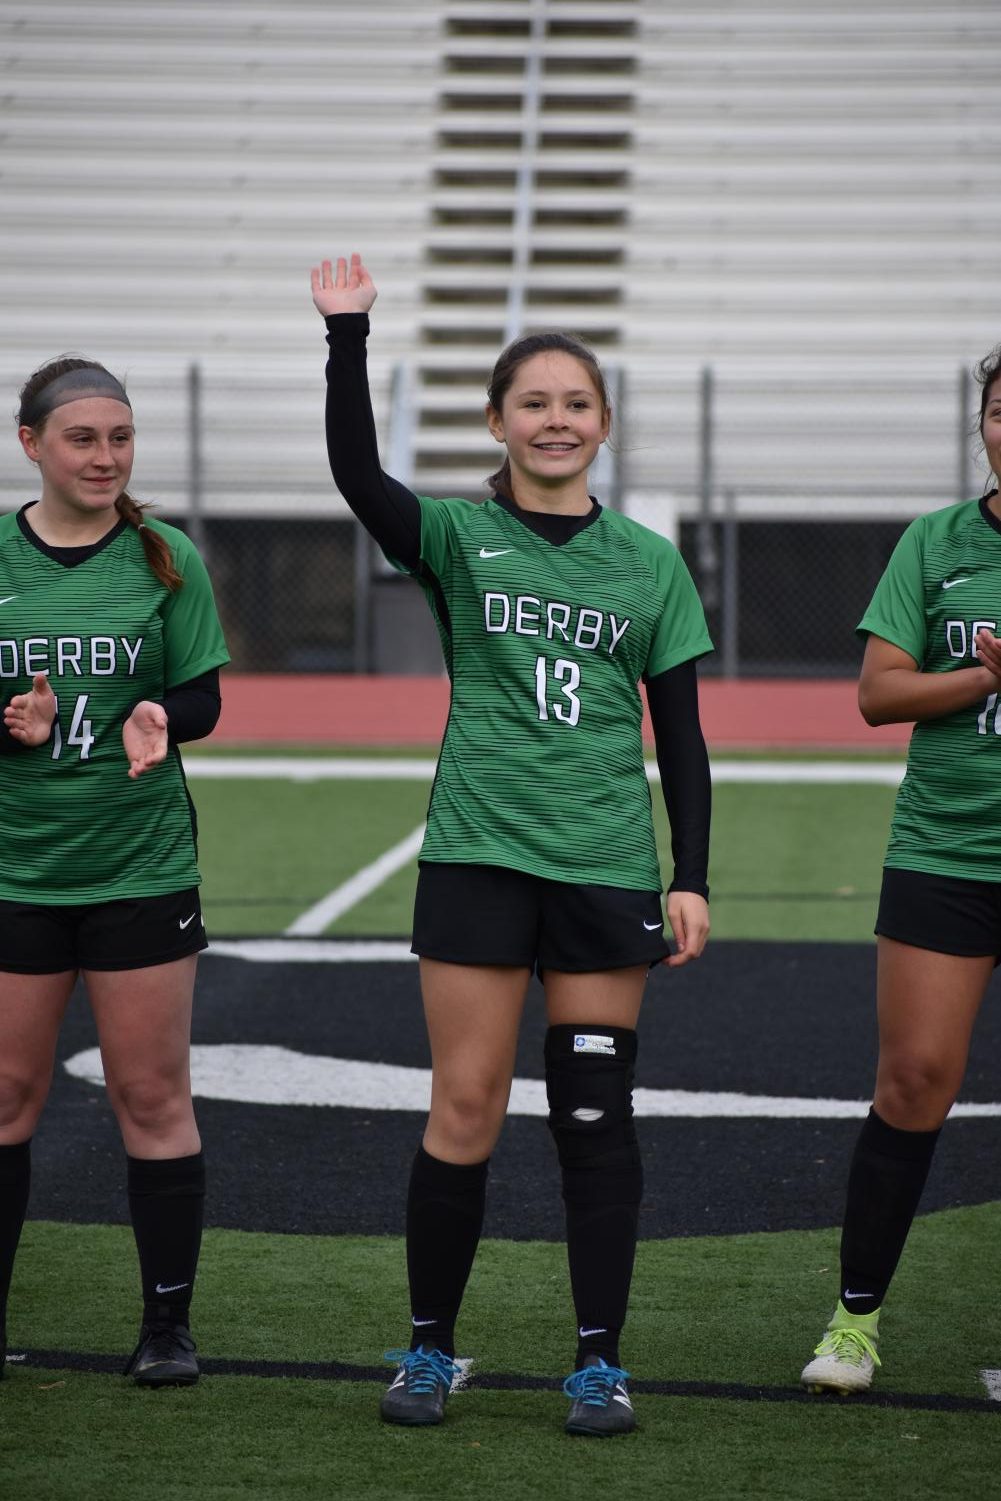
x=567 y=681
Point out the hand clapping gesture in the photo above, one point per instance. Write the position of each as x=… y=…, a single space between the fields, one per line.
x=144 y=736
x=29 y=716
x=988 y=648
x=350 y=290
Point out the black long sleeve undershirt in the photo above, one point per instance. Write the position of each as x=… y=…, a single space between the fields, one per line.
x=683 y=761
x=193 y=710
x=392 y=515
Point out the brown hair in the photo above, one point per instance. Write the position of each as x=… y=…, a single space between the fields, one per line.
x=156 y=547
x=986 y=374
x=510 y=361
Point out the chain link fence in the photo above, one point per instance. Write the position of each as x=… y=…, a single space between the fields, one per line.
x=784 y=571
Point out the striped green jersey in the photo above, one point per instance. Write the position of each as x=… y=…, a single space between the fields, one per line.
x=75 y=827
x=942 y=583
x=541 y=767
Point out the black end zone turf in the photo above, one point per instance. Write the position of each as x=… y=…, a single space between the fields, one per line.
x=761 y=1019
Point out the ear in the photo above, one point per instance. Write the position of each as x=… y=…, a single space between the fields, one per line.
x=606 y=425
x=494 y=423
x=29 y=442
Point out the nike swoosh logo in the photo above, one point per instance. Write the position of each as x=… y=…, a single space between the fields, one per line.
x=488 y=552
x=7 y=599
x=175 y=1287
x=652 y=927
x=946 y=583
x=422 y=1323
x=583 y=1333
x=857 y=1295
x=182 y=922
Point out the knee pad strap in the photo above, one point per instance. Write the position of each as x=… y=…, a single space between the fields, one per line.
x=589 y=1080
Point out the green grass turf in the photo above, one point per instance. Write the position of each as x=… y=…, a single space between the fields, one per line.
x=788 y=862
x=270 y=849
x=743 y=1309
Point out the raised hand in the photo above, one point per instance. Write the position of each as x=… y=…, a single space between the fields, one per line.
x=348 y=290
x=29 y=716
x=144 y=736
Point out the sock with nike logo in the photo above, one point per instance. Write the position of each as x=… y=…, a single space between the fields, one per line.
x=445 y=1206
x=885 y=1182
x=166 y=1203
x=589 y=1081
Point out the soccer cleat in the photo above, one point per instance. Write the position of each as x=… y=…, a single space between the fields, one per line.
x=417 y=1394
x=846 y=1358
x=600 y=1405
x=164 y=1356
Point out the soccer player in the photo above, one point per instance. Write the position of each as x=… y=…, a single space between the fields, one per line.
x=933 y=655
x=539 y=849
x=110 y=649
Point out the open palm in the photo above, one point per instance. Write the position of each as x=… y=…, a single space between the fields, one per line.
x=144 y=736
x=29 y=716
x=348 y=289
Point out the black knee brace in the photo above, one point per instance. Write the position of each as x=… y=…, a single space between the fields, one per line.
x=589 y=1081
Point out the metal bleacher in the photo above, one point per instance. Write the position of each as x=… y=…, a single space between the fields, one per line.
x=806 y=199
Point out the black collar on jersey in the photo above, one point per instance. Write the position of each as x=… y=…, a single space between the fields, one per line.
x=552 y=528
x=70 y=557
x=987 y=513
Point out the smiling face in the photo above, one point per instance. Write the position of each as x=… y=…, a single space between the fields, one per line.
x=552 y=420
x=85 y=451
x=990 y=426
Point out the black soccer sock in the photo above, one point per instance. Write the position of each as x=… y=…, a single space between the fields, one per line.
x=590 y=1116
x=444 y=1219
x=15 y=1182
x=887 y=1175
x=166 y=1203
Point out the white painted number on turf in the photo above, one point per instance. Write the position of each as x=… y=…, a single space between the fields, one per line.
x=567 y=675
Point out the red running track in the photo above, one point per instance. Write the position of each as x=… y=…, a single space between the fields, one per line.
x=344 y=709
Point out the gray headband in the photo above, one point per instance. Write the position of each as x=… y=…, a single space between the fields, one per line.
x=73 y=386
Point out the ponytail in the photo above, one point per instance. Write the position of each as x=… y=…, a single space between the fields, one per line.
x=155 y=547
x=501 y=481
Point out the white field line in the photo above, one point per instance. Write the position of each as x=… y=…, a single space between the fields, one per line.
x=992 y=1381
x=267 y=1074
x=386 y=769
x=319 y=951
x=346 y=896
x=315 y=768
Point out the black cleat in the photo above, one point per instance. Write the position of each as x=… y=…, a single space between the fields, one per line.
x=164 y=1356
x=600 y=1405
x=417 y=1395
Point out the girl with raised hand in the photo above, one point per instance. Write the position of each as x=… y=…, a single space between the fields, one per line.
x=540 y=850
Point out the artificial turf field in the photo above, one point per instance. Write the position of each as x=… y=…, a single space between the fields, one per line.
x=302 y=1280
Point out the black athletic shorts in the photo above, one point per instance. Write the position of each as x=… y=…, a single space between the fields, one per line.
x=134 y=933
x=486 y=914
x=948 y=914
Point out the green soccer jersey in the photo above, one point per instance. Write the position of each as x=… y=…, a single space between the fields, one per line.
x=75 y=827
x=942 y=583
x=541 y=767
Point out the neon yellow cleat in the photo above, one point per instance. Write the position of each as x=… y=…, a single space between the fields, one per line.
x=846 y=1359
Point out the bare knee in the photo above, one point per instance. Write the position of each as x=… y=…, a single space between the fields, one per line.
x=21 y=1102
x=915 y=1093
x=152 y=1105
x=465 y=1121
